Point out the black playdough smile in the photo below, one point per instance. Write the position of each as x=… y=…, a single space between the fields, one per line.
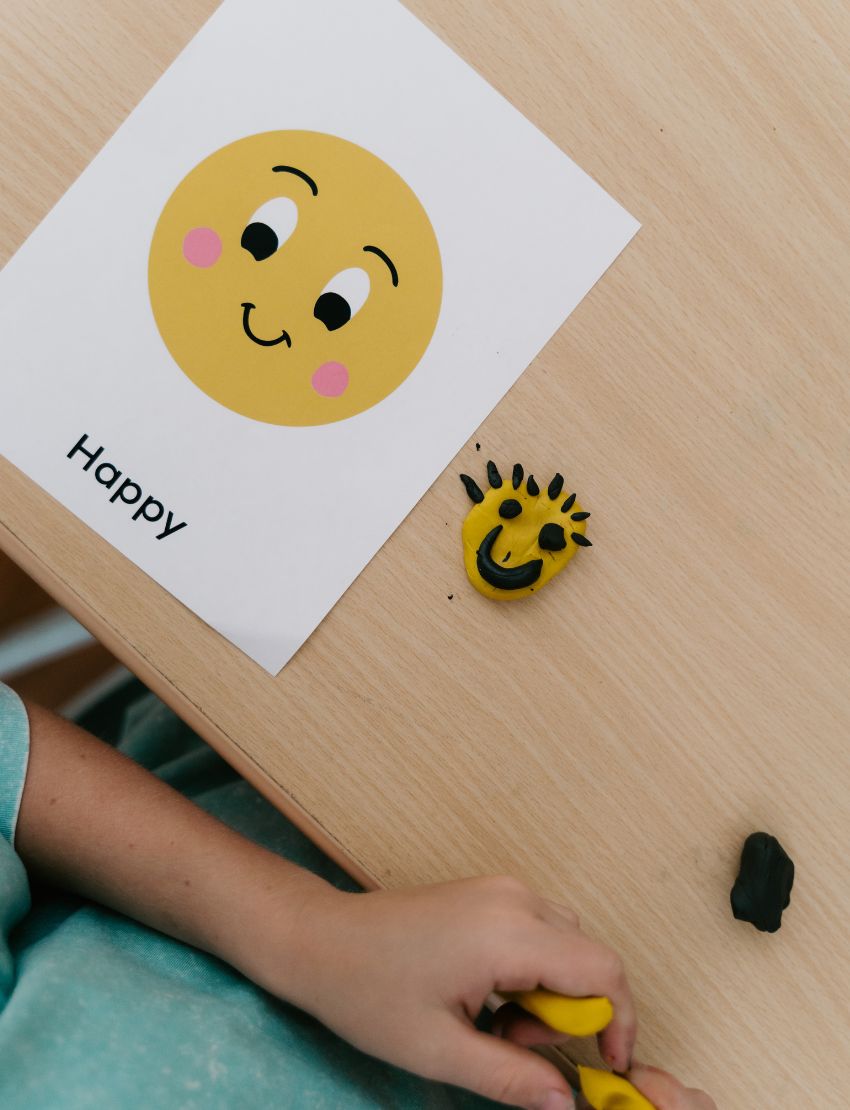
x=282 y=338
x=502 y=577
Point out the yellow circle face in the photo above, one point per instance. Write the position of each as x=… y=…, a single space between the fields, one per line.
x=517 y=537
x=295 y=278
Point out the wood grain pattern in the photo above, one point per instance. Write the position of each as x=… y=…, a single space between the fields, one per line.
x=685 y=681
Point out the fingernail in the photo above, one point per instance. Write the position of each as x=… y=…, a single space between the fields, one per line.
x=616 y=1066
x=557 y=1100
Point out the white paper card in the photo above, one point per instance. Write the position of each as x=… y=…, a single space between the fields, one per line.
x=282 y=340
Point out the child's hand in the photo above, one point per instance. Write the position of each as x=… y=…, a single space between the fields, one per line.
x=403 y=974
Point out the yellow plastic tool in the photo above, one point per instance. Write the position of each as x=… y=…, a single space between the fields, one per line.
x=582 y=1017
x=578 y=1017
x=606 y=1091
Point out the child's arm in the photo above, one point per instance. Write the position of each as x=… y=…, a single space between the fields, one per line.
x=94 y=822
x=399 y=974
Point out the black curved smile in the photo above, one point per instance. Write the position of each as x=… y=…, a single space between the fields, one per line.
x=502 y=577
x=246 y=327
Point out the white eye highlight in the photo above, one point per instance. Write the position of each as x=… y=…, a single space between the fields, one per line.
x=270 y=227
x=342 y=297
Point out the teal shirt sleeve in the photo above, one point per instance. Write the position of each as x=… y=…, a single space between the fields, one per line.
x=14 y=755
x=14 y=886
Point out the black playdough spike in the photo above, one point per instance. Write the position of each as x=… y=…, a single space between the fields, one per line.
x=532 y=486
x=568 y=504
x=555 y=487
x=581 y=540
x=493 y=475
x=472 y=488
x=517 y=476
x=579 y=516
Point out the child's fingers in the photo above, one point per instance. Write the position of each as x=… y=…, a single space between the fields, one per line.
x=667 y=1093
x=502 y=1071
x=559 y=915
x=512 y=1023
x=617 y=1040
x=583 y=967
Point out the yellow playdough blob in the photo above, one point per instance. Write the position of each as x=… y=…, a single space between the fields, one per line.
x=295 y=277
x=606 y=1091
x=578 y=1017
x=517 y=536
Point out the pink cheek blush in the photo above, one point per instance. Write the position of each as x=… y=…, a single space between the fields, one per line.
x=201 y=247
x=330 y=380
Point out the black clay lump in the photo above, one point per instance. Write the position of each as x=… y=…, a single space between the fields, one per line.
x=763 y=887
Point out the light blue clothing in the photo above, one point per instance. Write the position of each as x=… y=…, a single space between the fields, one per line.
x=98 y=1011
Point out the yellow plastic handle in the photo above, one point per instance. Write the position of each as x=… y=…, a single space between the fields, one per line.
x=605 y=1091
x=578 y=1017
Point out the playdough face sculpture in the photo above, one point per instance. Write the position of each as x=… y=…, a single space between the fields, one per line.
x=295 y=278
x=515 y=539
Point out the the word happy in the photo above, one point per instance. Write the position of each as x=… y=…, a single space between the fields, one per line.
x=124 y=490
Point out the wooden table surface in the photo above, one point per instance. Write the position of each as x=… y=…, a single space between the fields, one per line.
x=685 y=682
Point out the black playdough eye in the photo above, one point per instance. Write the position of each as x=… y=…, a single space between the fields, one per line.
x=270 y=227
x=343 y=297
x=552 y=538
x=509 y=509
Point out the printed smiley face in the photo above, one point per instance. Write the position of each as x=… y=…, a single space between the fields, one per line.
x=515 y=540
x=295 y=278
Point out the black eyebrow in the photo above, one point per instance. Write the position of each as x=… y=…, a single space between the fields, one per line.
x=298 y=173
x=386 y=258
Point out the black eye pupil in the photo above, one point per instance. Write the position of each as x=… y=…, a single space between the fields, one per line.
x=552 y=538
x=510 y=508
x=333 y=310
x=259 y=240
